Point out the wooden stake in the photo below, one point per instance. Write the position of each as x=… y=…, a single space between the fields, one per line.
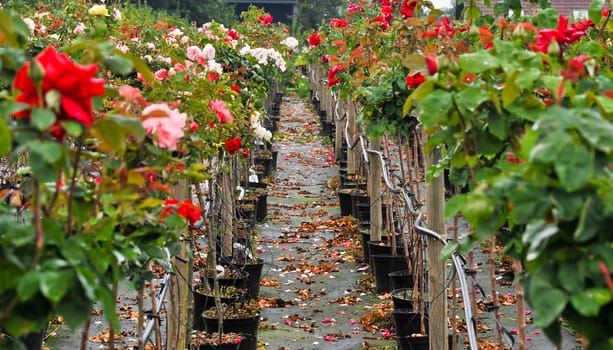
x=375 y=170
x=178 y=308
x=435 y=201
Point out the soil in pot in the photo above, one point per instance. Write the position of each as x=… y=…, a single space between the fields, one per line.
x=205 y=341
x=242 y=318
x=230 y=278
x=383 y=265
x=403 y=298
x=204 y=300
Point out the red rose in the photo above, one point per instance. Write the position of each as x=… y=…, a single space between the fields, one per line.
x=245 y=152
x=194 y=126
x=266 y=20
x=232 y=33
x=190 y=211
x=415 y=80
x=431 y=65
x=314 y=39
x=75 y=83
x=233 y=145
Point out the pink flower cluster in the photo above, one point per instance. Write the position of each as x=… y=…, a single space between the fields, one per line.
x=165 y=123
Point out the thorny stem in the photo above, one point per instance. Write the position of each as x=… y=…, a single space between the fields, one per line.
x=85 y=333
x=492 y=261
x=38 y=225
x=519 y=292
x=56 y=193
x=141 y=319
x=471 y=170
x=73 y=184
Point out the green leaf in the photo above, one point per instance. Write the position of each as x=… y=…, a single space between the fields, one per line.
x=571 y=278
x=42 y=118
x=589 y=223
x=454 y=205
x=594 y=11
x=547 y=18
x=434 y=107
x=597 y=131
x=471 y=98
x=588 y=302
x=536 y=236
x=141 y=66
x=119 y=65
x=471 y=13
x=574 y=166
x=527 y=78
x=55 y=284
x=28 y=285
x=108 y=304
x=547 y=302
x=546 y=151
x=45 y=160
x=418 y=94
x=73 y=250
x=497 y=125
x=75 y=309
x=478 y=62
x=510 y=91
x=6 y=139
x=72 y=128
x=478 y=208
x=448 y=250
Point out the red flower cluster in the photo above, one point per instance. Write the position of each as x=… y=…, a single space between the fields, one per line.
x=413 y=81
x=443 y=29
x=314 y=40
x=338 y=23
x=187 y=209
x=233 y=145
x=332 y=78
x=408 y=8
x=75 y=84
x=561 y=35
x=266 y=20
x=575 y=68
x=232 y=33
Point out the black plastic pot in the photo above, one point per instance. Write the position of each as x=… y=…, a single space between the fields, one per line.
x=401 y=279
x=246 y=327
x=408 y=322
x=203 y=302
x=383 y=265
x=215 y=347
x=382 y=247
x=419 y=343
x=344 y=198
x=254 y=276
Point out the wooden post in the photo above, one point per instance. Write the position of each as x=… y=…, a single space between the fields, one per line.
x=339 y=136
x=179 y=307
x=352 y=162
x=374 y=191
x=435 y=201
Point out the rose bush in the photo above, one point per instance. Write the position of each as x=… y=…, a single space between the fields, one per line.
x=100 y=119
x=520 y=110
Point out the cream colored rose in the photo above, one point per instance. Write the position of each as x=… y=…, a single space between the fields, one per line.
x=99 y=10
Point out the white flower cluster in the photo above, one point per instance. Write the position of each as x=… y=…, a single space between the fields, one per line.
x=290 y=42
x=259 y=131
x=264 y=56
